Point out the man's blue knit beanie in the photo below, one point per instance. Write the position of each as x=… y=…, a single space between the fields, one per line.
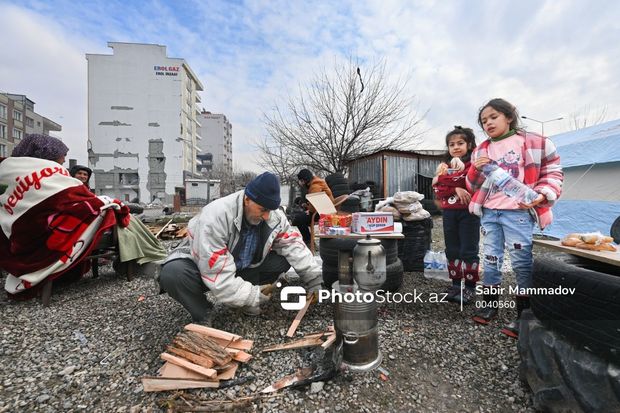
x=264 y=190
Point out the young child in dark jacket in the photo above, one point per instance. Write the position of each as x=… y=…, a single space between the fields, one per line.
x=461 y=229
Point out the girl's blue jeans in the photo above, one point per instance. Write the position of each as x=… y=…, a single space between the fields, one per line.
x=511 y=229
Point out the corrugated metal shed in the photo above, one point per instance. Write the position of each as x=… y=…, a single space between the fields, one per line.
x=394 y=171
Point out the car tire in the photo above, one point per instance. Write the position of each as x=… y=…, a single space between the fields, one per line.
x=563 y=377
x=591 y=315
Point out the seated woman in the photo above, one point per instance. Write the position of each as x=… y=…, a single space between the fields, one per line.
x=136 y=240
x=49 y=221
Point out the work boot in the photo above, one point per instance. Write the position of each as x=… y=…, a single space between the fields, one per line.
x=487 y=310
x=512 y=328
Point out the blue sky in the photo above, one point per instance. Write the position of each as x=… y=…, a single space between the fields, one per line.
x=549 y=58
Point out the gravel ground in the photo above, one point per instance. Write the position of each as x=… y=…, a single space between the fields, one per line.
x=88 y=350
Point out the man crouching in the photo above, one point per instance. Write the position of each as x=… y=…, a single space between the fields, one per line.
x=235 y=245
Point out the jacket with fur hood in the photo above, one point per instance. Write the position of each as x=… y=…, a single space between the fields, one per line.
x=214 y=234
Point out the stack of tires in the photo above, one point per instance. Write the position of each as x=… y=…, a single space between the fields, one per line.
x=417 y=241
x=329 y=247
x=339 y=186
x=569 y=342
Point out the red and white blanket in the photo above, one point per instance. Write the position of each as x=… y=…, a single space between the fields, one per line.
x=49 y=221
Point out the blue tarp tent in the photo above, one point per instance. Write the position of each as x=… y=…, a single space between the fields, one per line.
x=590 y=198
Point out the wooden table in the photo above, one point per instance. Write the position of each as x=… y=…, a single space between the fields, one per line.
x=608 y=257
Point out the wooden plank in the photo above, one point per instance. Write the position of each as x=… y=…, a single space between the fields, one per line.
x=194 y=358
x=172 y=371
x=319 y=334
x=299 y=316
x=228 y=373
x=608 y=257
x=301 y=343
x=212 y=332
x=239 y=355
x=237 y=344
x=151 y=384
x=162 y=229
x=210 y=373
x=331 y=340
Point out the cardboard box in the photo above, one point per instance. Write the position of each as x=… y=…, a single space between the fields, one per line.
x=372 y=222
x=321 y=202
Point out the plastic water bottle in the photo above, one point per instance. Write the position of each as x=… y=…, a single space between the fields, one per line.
x=429 y=270
x=436 y=265
x=441 y=266
x=510 y=186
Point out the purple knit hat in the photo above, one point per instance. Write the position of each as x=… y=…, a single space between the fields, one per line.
x=41 y=146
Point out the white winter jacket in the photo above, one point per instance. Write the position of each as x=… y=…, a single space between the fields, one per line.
x=213 y=235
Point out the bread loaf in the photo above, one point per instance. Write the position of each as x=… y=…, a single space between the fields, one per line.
x=594 y=247
x=571 y=241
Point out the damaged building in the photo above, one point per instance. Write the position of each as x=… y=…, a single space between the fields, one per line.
x=143 y=140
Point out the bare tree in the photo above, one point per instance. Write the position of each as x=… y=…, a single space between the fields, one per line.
x=337 y=117
x=587 y=116
x=241 y=179
x=226 y=177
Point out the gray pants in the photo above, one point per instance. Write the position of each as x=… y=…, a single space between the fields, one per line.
x=181 y=280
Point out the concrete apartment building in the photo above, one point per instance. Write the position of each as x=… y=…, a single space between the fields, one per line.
x=216 y=133
x=142 y=122
x=17 y=119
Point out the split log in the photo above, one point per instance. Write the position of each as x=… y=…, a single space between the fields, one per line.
x=302 y=343
x=210 y=373
x=212 y=332
x=202 y=346
x=162 y=229
x=299 y=316
x=194 y=358
x=235 y=344
x=229 y=373
x=151 y=384
x=172 y=371
x=239 y=355
x=331 y=340
x=286 y=381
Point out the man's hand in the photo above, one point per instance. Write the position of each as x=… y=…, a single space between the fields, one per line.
x=463 y=195
x=540 y=198
x=262 y=298
x=315 y=285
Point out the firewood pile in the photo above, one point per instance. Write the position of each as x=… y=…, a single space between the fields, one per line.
x=169 y=231
x=199 y=357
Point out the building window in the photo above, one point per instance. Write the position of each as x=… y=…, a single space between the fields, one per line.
x=2 y=131
x=2 y=151
x=3 y=111
x=17 y=134
x=17 y=115
x=29 y=122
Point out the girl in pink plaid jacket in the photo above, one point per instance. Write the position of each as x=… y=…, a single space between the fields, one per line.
x=505 y=222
